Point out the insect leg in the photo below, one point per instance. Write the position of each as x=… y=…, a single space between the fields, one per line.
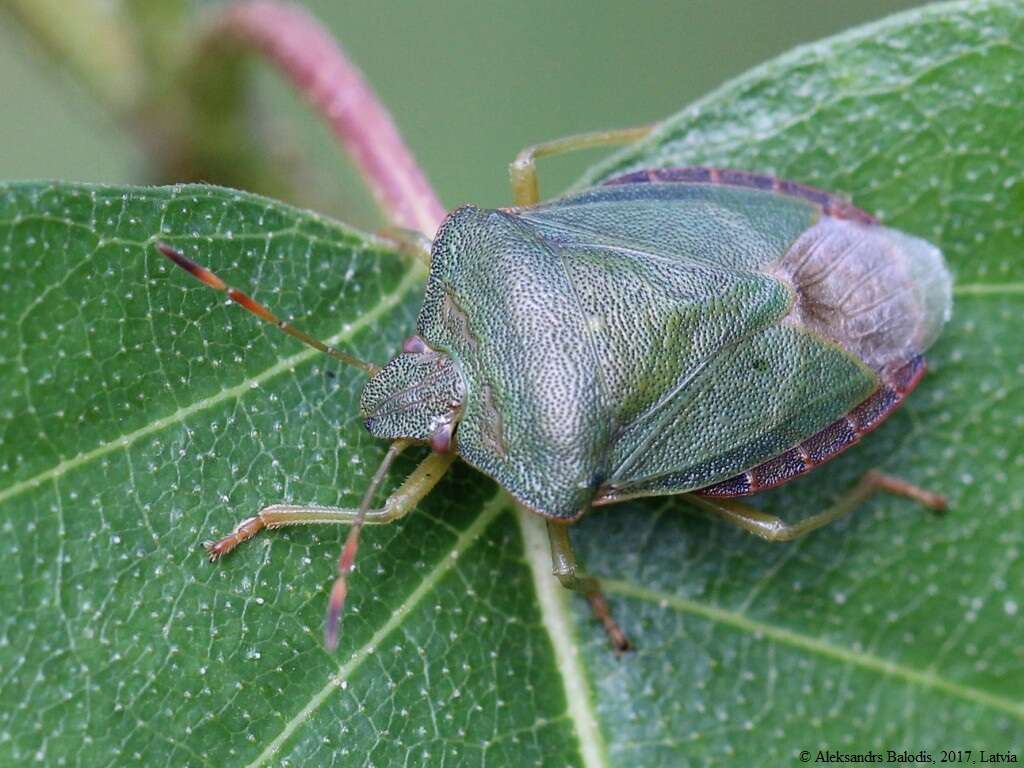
x=772 y=528
x=571 y=575
x=398 y=505
x=409 y=242
x=523 y=172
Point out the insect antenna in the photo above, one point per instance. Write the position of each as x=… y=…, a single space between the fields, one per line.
x=245 y=301
x=347 y=561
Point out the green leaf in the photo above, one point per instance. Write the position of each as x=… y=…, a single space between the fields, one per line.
x=142 y=415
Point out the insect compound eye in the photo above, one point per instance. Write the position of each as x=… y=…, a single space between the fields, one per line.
x=414 y=345
x=441 y=440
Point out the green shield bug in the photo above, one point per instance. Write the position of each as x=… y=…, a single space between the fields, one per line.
x=691 y=331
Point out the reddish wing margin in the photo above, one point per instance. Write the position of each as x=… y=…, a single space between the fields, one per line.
x=830 y=204
x=842 y=433
x=829 y=442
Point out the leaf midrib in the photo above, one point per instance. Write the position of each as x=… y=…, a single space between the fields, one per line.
x=558 y=621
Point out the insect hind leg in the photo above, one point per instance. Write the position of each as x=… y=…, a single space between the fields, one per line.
x=772 y=528
x=400 y=503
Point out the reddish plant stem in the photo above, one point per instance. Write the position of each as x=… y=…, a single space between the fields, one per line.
x=316 y=65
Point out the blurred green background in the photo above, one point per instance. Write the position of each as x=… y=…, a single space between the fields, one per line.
x=468 y=81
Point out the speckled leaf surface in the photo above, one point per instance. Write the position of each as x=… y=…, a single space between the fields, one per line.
x=890 y=629
x=141 y=415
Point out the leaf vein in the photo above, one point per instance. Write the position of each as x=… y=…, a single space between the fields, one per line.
x=925 y=679
x=490 y=511
x=235 y=392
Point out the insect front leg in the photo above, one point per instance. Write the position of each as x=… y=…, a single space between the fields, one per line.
x=772 y=528
x=409 y=242
x=565 y=566
x=398 y=505
x=523 y=171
